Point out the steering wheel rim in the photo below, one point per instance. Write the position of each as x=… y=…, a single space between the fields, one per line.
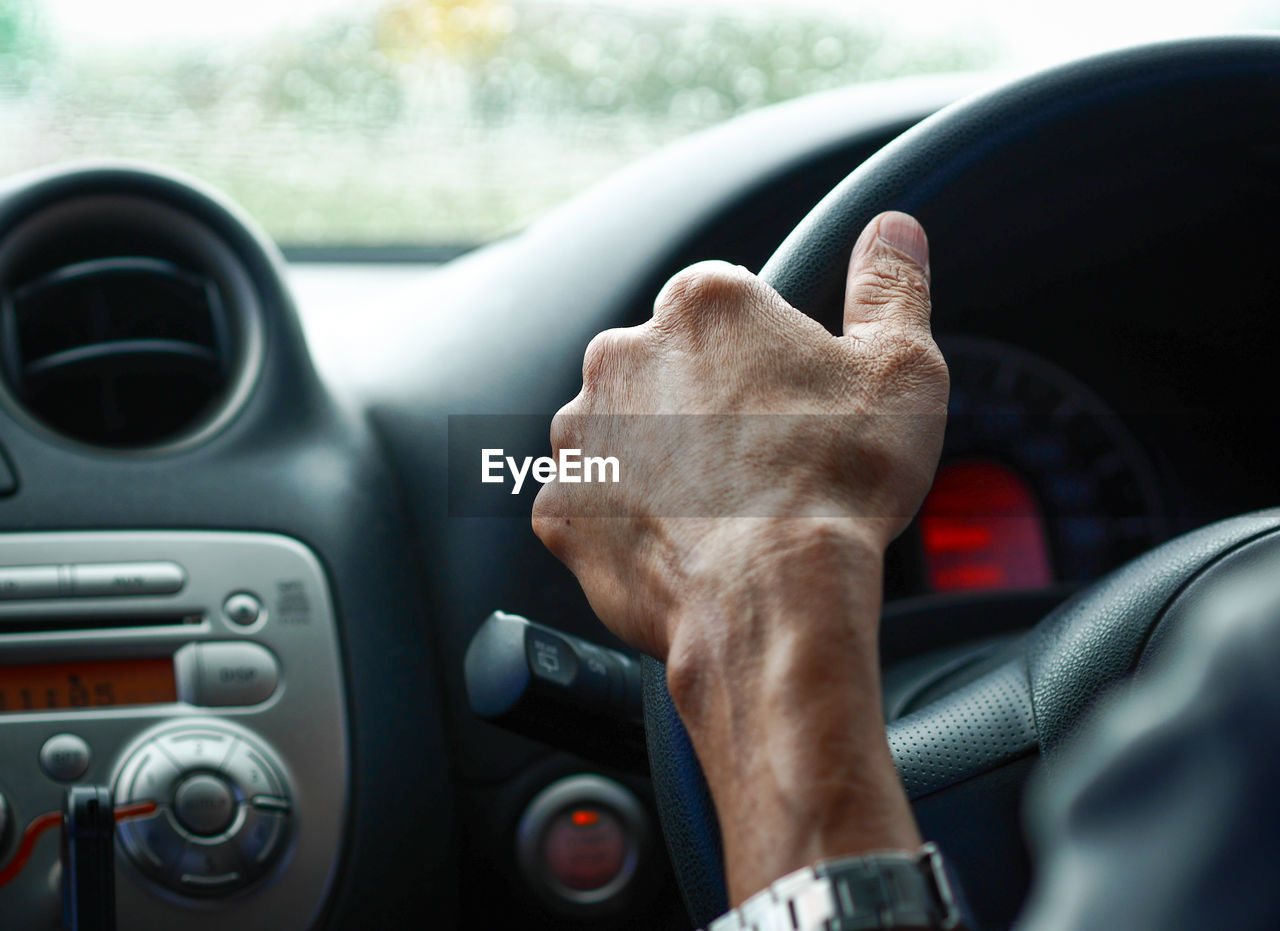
x=1032 y=702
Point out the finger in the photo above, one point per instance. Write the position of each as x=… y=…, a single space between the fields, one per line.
x=888 y=279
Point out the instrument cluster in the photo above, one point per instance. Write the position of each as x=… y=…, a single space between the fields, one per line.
x=1040 y=482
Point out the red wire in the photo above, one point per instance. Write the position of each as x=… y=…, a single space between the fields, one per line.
x=32 y=834
x=135 y=810
x=51 y=819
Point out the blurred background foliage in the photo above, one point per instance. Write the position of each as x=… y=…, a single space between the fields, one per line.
x=428 y=122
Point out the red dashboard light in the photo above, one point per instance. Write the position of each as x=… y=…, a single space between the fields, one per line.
x=981 y=529
x=941 y=536
x=969 y=578
x=587 y=852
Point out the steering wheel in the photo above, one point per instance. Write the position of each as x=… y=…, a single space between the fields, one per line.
x=1110 y=121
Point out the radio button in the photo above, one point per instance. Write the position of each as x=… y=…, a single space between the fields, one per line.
x=154 y=842
x=243 y=609
x=208 y=866
x=234 y=674
x=259 y=836
x=29 y=582
x=251 y=774
x=204 y=805
x=270 y=803
x=121 y=579
x=152 y=780
x=224 y=810
x=196 y=749
x=65 y=757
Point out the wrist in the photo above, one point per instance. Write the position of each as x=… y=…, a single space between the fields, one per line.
x=764 y=595
x=774 y=669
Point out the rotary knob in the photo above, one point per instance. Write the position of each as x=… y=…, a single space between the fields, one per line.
x=223 y=808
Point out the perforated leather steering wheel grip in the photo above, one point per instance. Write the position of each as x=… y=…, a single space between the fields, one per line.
x=1095 y=639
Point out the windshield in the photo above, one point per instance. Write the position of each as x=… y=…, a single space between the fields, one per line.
x=448 y=123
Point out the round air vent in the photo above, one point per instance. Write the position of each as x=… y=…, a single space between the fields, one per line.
x=125 y=323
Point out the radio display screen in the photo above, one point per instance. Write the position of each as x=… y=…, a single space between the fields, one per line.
x=93 y=684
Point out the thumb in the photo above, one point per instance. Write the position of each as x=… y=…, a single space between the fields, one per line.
x=888 y=281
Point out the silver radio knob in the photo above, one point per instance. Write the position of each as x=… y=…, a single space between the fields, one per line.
x=223 y=809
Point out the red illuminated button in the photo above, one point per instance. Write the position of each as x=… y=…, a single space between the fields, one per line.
x=585 y=849
x=981 y=529
x=581 y=845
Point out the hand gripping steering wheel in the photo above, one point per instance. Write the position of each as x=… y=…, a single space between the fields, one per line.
x=1071 y=138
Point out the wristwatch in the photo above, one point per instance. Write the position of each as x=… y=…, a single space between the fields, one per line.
x=889 y=891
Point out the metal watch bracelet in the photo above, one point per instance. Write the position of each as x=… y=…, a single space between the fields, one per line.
x=891 y=891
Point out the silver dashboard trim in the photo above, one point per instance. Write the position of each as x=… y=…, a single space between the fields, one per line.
x=304 y=721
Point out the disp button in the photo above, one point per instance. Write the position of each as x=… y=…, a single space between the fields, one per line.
x=229 y=674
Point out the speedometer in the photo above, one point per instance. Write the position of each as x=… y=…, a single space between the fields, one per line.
x=1039 y=483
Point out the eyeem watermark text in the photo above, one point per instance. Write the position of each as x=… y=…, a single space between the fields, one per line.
x=569 y=467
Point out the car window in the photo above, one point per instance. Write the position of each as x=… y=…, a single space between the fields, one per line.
x=448 y=123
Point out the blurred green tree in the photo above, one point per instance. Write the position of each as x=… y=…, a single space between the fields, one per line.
x=24 y=44
x=429 y=121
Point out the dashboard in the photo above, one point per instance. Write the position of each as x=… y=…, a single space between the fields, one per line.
x=266 y=446
x=1040 y=482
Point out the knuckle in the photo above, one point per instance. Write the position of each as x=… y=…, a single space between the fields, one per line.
x=550 y=525
x=702 y=288
x=566 y=428
x=605 y=354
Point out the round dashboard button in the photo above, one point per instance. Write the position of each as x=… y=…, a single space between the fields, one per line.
x=243 y=608
x=208 y=867
x=224 y=808
x=204 y=805
x=153 y=841
x=65 y=757
x=197 y=748
x=259 y=837
x=581 y=846
x=150 y=778
x=250 y=772
x=585 y=848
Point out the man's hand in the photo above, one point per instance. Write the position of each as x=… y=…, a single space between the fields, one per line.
x=758 y=582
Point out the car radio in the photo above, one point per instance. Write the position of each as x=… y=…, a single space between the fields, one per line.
x=195 y=671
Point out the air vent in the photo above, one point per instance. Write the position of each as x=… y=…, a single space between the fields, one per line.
x=125 y=322
x=119 y=351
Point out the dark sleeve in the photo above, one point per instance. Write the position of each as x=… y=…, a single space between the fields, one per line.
x=1165 y=812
